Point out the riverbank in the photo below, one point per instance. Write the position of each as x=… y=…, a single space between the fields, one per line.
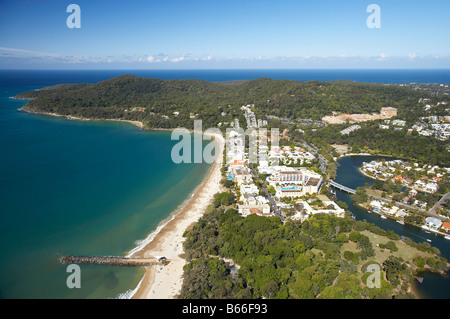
x=364 y=154
x=164 y=282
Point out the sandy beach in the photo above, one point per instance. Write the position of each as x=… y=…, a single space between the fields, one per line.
x=70 y=117
x=164 y=282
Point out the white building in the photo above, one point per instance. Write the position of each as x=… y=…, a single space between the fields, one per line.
x=433 y=223
x=254 y=205
x=295 y=182
x=431 y=187
x=304 y=210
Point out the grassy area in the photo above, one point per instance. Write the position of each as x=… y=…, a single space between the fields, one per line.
x=407 y=253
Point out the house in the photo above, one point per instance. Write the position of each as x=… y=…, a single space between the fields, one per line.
x=420 y=183
x=433 y=223
x=446 y=227
x=401 y=213
x=393 y=210
x=376 y=205
x=431 y=187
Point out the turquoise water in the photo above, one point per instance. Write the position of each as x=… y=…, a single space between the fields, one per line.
x=75 y=187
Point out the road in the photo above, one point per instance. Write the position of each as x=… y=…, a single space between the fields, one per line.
x=387 y=200
x=433 y=210
x=314 y=151
x=268 y=196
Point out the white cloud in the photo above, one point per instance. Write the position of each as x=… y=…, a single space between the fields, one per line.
x=179 y=59
x=412 y=56
x=383 y=57
x=22 y=57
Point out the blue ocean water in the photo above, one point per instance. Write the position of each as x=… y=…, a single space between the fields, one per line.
x=73 y=187
x=82 y=188
x=49 y=77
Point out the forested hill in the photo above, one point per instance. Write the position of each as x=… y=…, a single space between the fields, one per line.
x=155 y=101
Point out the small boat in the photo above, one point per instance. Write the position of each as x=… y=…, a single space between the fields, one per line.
x=384 y=217
x=401 y=222
x=447 y=237
x=429 y=240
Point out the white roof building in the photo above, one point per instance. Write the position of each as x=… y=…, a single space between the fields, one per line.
x=376 y=204
x=433 y=222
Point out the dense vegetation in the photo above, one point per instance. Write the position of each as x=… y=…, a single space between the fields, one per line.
x=207 y=100
x=290 y=260
x=389 y=142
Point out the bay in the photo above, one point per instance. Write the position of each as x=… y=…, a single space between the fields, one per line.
x=82 y=188
x=72 y=187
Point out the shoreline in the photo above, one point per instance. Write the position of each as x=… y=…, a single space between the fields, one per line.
x=363 y=154
x=71 y=117
x=165 y=282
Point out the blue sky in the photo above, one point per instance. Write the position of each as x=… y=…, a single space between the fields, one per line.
x=174 y=34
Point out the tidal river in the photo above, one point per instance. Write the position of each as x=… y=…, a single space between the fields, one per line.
x=433 y=286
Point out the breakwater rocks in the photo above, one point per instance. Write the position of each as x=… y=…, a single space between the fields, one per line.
x=112 y=260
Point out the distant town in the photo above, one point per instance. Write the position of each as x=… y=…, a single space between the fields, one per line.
x=268 y=190
x=285 y=183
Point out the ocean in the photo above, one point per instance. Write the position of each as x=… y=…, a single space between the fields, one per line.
x=81 y=188
x=97 y=188
x=50 y=77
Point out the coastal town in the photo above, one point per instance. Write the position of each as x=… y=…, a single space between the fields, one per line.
x=280 y=172
x=276 y=183
x=281 y=181
x=228 y=158
x=412 y=202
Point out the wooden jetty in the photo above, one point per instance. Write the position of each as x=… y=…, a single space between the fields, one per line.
x=113 y=261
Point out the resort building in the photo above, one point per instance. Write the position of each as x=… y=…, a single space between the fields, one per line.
x=295 y=182
x=289 y=191
x=254 y=205
x=240 y=175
